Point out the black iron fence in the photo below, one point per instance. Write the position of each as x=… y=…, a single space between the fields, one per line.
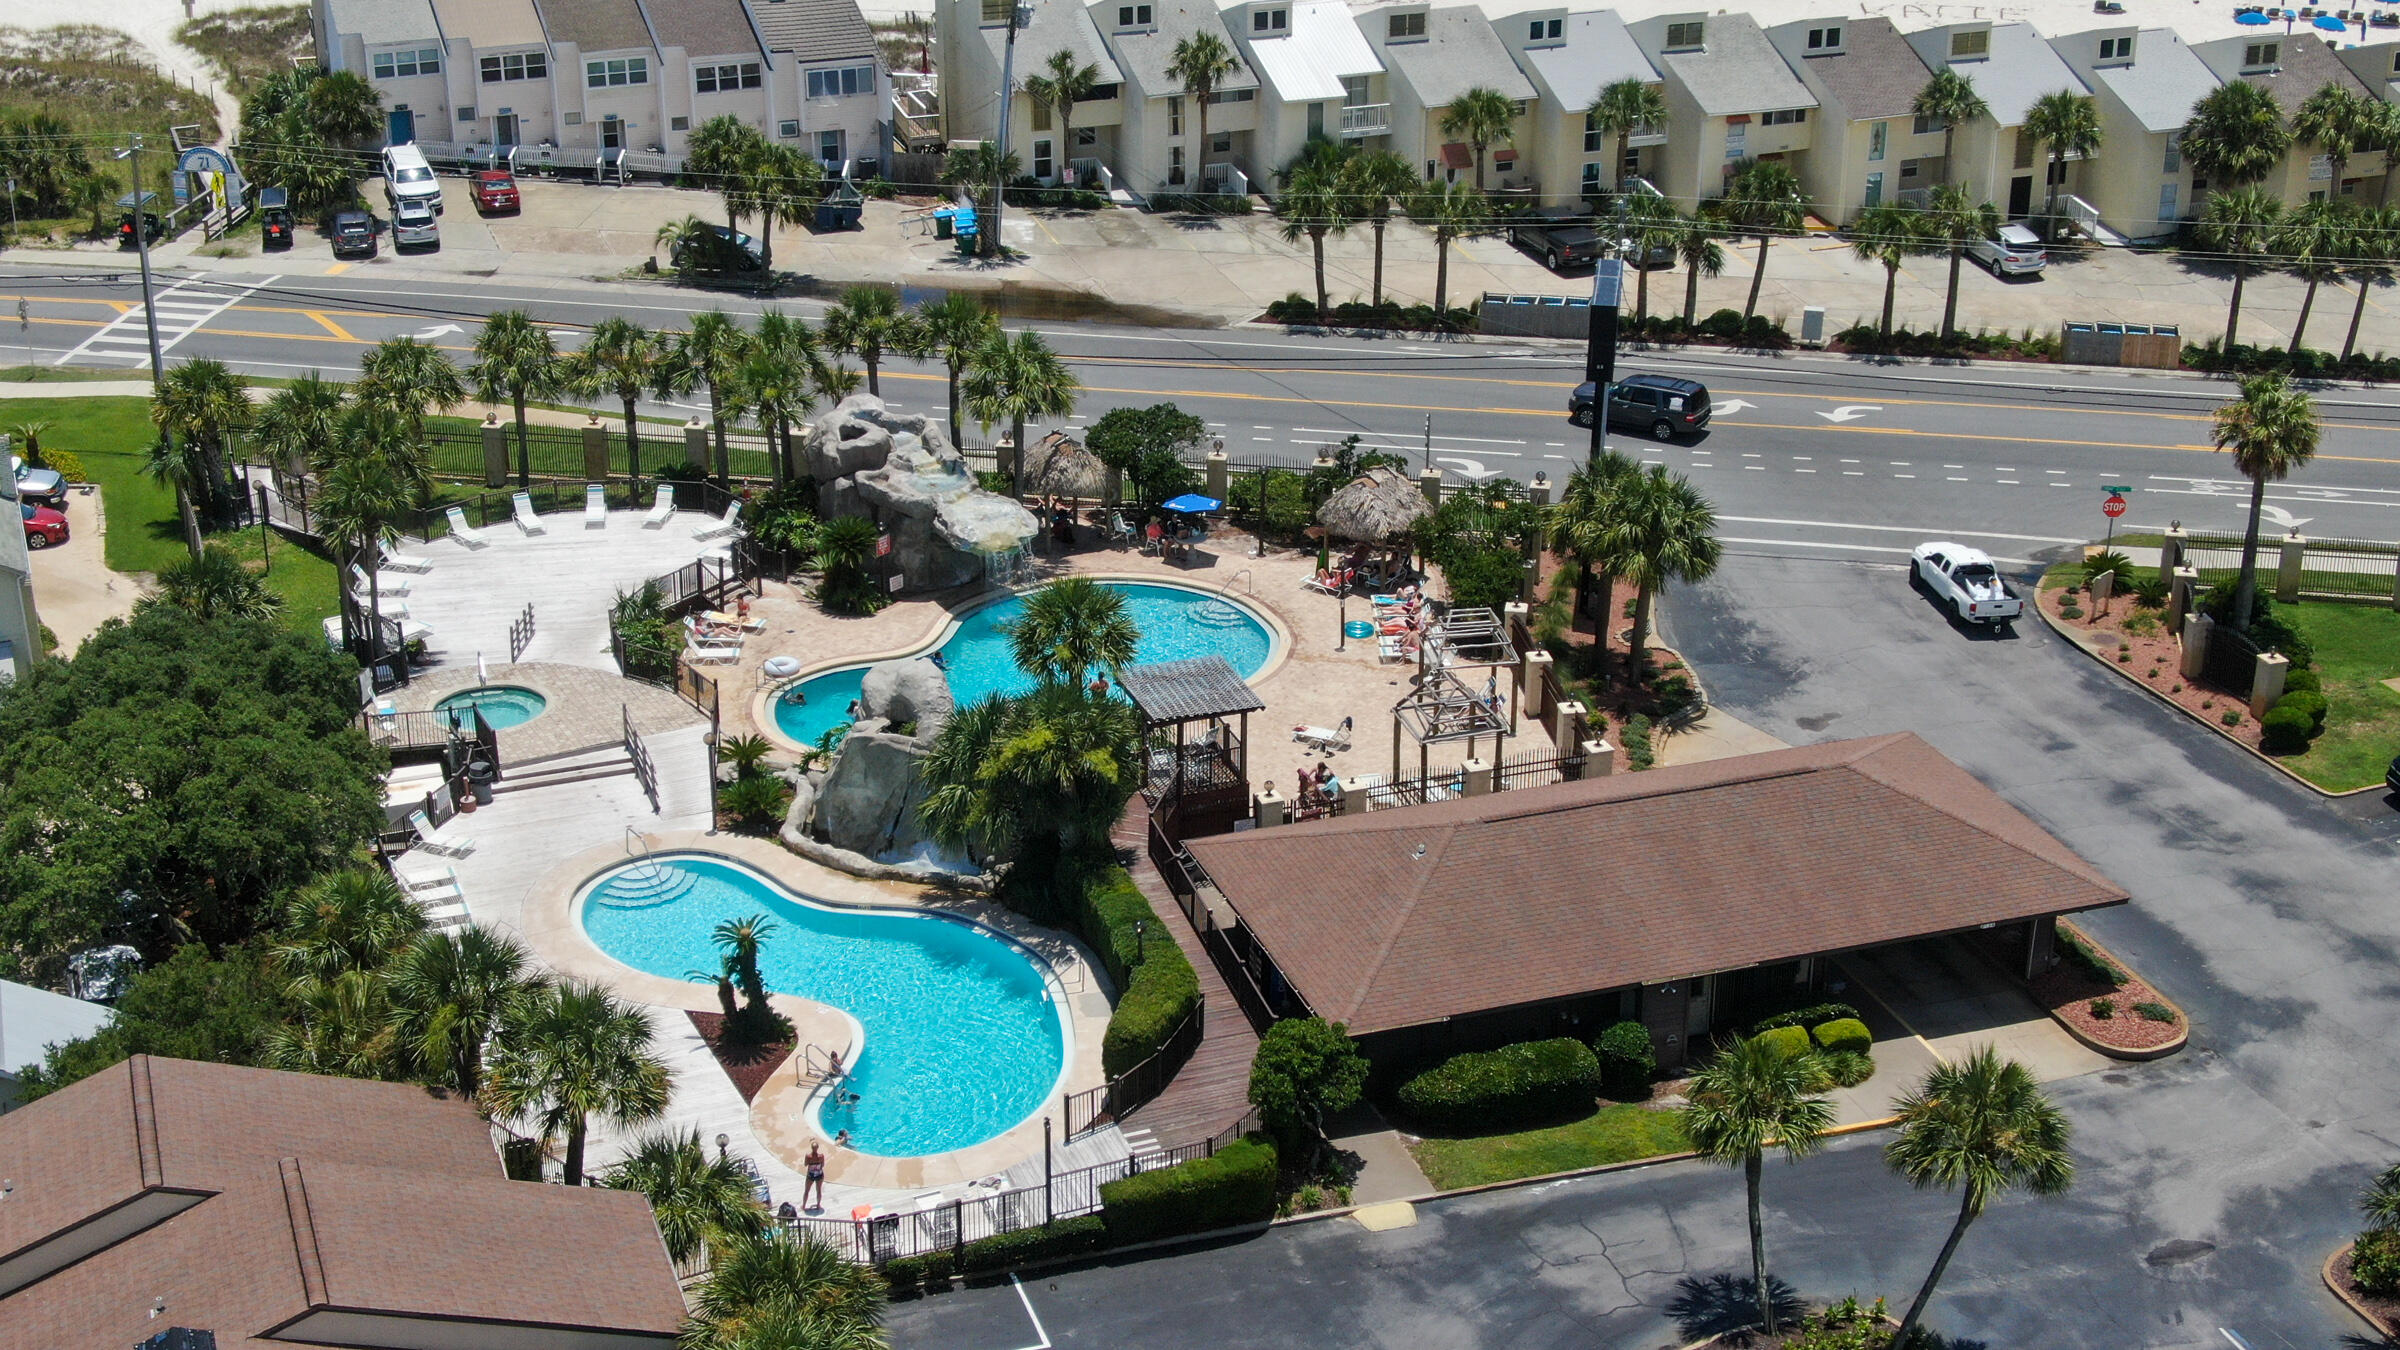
x=520 y=634
x=1122 y=1095
x=644 y=772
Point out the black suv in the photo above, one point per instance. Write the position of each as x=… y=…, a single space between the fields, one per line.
x=717 y=249
x=1663 y=405
x=353 y=234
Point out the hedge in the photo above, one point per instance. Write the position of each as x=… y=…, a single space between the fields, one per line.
x=1235 y=1186
x=1157 y=987
x=1805 y=1017
x=1845 y=1034
x=1790 y=1040
x=1627 y=1057
x=2285 y=731
x=1004 y=1251
x=2310 y=701
x=2375 y=1262
x=1499 y=1089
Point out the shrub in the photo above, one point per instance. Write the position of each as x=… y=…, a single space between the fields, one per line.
x=2070 y=610
x=2305 y=700
x=1725 y=323
x=1790 y=1040
x=1306 y=1071
x=2139 y=624
x=2232 y=719
x=1849 y=1068
x=1235 y=1186
x=1845 y=1326
x=2375 y=1262
x=908 y=1274
x=2109 y=560
x=1627 y=1058
x=1499 y=1089
x=2151 y=592
x=2154 y=1012
x=1806 y=1017
x=2124 y=658
x=1006 y=1251
x=2303 y=681
x=685 y=472
x=1844 y=1035
x=1639 y=752
x=2104 y=1008
x=67 y=463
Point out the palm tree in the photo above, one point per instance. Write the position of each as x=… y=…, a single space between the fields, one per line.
x=742 y=940
x=1649 y=222
x=717 y=153
x=1015 y=378
x=2336 y=122
x=2379 y=131
x=1752 y=1097
x=2236 y=135
x=1696 y=247
x=2069 y=124
x=2270 y=430
x=515 y=359
x=1202 y=62
x=450 y=992
x=1070 y=628
x=616 y=359
x=297 y=424
x=353 y=919
x=182 y=466
x=376 y=474
x=1620 y=109
x=2380 y=1201
x=341 y=1027
x=2374 y=246
x=773 y=390
x=1888 y=236
x=1763 y=198
x=205 y=403
x=1313 y=205
x=1064 y=84
x=1956 y=218
x=1950 y=99
x=782 y=185
x=773 y=1290
x=409 y=377
x=2314 y=241
x=1480 y=116
x=1452 y=211
x=952 y=328
x=571 y=1051
x=689 y=235
x=707 y=354
x=1664 y=531
x=867 y=322
x=1583 y=528
x=985 y=169
x=2240 y=224
x=699 y=1202
x=1983 y=1126
x=1060 y=763
x=215 y=585
x=1370 y=183
x=787 y=340
x=842 y=547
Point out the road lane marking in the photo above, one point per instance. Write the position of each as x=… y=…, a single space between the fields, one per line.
x=1041 y=1338
x=336 y=270
x=1851 y=548
x=1918 y=530
x=180 y=310
x=330 y=326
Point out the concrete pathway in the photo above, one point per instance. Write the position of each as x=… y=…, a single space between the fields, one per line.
x=1957 y=1004
x=1387 y=1170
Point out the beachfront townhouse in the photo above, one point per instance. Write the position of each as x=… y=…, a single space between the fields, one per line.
x=2144 y=82
x=972 y=46
x=1159 y=148
x=1435 y=56
x=1730 y=97
x=1318 y=78
x=2292 y=66
x=2011 y=67
x=831 y=94
x=1864 y=76
x=1570 y=58
x=399 y=47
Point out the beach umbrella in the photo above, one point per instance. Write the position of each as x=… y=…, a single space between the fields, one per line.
x=1376 y=507
x=1059 y=466
x=1192 y=504
x=2331 y=24
x=2251 y=19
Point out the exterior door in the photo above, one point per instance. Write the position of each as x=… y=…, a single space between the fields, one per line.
x=1700 y=1013
x=2020 y=196
x=504 y=130
x=612 y=133
x=402 y=126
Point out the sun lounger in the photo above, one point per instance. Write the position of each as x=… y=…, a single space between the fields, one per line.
x=693 y=634
x=724 y=525
x=406 y=562
x=460 y=530
x=1327 y=739
x=663 y=508
x=430 y=883
x=455 y=848
x=388 y=605
x=751 y=625
x=1396 y=647
x=1331 y=582
x=527 y=521
x=701 y=656
x=383 y=583
x=595 y=507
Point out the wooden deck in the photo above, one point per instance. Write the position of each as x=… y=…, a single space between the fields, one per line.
x=1212 y=1092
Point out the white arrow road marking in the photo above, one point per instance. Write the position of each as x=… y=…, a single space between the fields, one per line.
x=1851 y=412
x=1470 y=469
x=438 y=330
x=2282 y=518
x=1731 y=405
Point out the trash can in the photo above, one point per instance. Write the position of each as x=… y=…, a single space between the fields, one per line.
x=942 y=218
x=480 y=774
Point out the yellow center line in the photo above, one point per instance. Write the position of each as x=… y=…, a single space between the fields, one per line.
x=336 y=270
x=329 y=325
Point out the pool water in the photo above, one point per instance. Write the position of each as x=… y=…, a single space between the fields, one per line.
x=1175 y=624
x=962 y=1040
x=502 y=705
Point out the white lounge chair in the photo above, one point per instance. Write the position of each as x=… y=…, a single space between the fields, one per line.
x=430 y=883
x=693 y=635
x=723 y=525
x=387 y=604
x=407 y=562
x=1335 y=584
x=701 y=656
x=595 y=507
x=383 y=583
x=663 y=508
x=460 y=530
x=1328 y=739
x=447 y=917
x=522 y=505
x=454 y=848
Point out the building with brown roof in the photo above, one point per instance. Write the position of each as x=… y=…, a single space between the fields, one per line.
x=1869 y=148
x=2292 y=66
x=272 y=1209
x=1679 y=897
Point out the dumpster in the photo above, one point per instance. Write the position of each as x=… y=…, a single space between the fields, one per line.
x=841 y=208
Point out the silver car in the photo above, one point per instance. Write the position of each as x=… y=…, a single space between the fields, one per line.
x=2014 y=252
x=413 y=223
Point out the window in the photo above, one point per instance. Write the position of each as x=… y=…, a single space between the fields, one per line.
x=1877 y=136
x=2025 y=148
x=1175 y=117
x=790 y=131
x=2166 y=202
x=1683 y=35
x=1041 y=114
x=1825 y=39
x=466 y=114
x=1270 y=20
x=1133 y=16
x=610 y=74
x=515 y=66
x=1908 y=169
x=1405 y=25
x=1591 y=178
x=1874 y=195
x=1595 y=137
x=1086 y=136
x=1220 y=143
x=1042 y=165
x=1232 y=95
x=1354 y=91
x=1546 y=30
x=396 y=65
x=829 y=147
x=2396 y=63
x=1175 y=166
x=2260 y=54
x=1521 y=106
x=996 y=11
x=1784 y=117
x=2174 y=159
x=2116 y=49
x=842 y=83
x=726 y=79
x=1971 y=43
x=1926 y=126
x=679 y=124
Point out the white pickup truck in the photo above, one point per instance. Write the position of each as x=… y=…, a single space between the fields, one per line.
x=1965 y=580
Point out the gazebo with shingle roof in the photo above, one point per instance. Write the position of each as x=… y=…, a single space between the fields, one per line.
x=1194 y=784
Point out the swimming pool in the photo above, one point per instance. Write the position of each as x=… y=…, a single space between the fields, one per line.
x=1175 y=623
x=962 y=1038
x=502 y=705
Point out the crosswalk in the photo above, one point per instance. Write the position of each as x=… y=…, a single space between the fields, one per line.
x=182 y=308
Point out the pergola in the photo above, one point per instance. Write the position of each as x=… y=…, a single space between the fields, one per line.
x=1444 y=707
x=1195 y=780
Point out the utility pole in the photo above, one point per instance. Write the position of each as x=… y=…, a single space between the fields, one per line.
x=141 y=239
x=1428 y=441
x=1008 y=98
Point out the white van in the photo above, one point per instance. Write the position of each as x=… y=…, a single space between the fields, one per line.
x=408 y=178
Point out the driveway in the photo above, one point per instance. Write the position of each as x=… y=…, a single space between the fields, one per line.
x=1955 y=1002
x=73 y=589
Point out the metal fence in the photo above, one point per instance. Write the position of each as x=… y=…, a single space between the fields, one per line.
x=2328 y=567
x=1122 y=1095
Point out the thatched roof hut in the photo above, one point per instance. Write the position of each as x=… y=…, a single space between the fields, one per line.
x=1059 y=466
x=1377 y=507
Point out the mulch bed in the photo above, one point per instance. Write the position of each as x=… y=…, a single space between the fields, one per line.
x=2067 y=991
x=2384 y=1310
x=749 y=1066
x=2157 y=660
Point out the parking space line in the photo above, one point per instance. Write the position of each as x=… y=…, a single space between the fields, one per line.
x=1041 y=1338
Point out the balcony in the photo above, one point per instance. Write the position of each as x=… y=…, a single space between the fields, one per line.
x=1646 y=134
x=1366 y=119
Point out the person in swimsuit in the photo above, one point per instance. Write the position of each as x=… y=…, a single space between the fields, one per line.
x=815 y=1184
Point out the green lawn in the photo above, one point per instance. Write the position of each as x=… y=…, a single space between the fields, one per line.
x=1613 y=1134
x=2358 y=647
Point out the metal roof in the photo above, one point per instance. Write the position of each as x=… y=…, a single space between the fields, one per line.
x=379 y=22
x=814 y=30
x=1308 y=65
x=1594 y=51
x=2018 y=70
x=1145 y=53
x=2164 y=81
x=1737 y=71
x=1186 y=691
x=1459 y=52
x=32 y=1020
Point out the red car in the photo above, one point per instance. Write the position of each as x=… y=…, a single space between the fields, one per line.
x=43 y=526
x=494 y=190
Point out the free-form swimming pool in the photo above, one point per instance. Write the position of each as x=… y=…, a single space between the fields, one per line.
x=502 y=705
x=1175 y=623
x=962 y=1037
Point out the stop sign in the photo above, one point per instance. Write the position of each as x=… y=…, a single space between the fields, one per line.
x=2113 y=507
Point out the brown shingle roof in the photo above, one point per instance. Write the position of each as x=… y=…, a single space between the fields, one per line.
x=814 y=30
x=2307 y=64
x=1876 y=75
x=704 y=27
x=596 y=25
x=1399 y=917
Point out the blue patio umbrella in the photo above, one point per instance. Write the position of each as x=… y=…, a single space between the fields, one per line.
x=1192 y=504
x=2330 y=24
x=2251 y=19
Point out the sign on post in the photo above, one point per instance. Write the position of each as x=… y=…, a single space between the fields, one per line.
x=2113 y=507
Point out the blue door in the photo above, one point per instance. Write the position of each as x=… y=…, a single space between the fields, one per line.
x=403 y=127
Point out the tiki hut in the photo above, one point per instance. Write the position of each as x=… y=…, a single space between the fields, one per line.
x=1379 y=506
x=1059 y=466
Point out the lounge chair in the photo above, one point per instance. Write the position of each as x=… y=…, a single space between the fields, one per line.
x=430 y=884
x=386 y=604
x=595 y=507
x=1328 y=739
x=723 y=525
x=406 y=562
x=701 y=656
x=1117 y=531
x=663 y=508
x=453 y=848
x=693 y=635
x=522 y=504
x=1332 y=581
x=382 y=583
x=1395 y=647
x=446 y=917
x=460 y=530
